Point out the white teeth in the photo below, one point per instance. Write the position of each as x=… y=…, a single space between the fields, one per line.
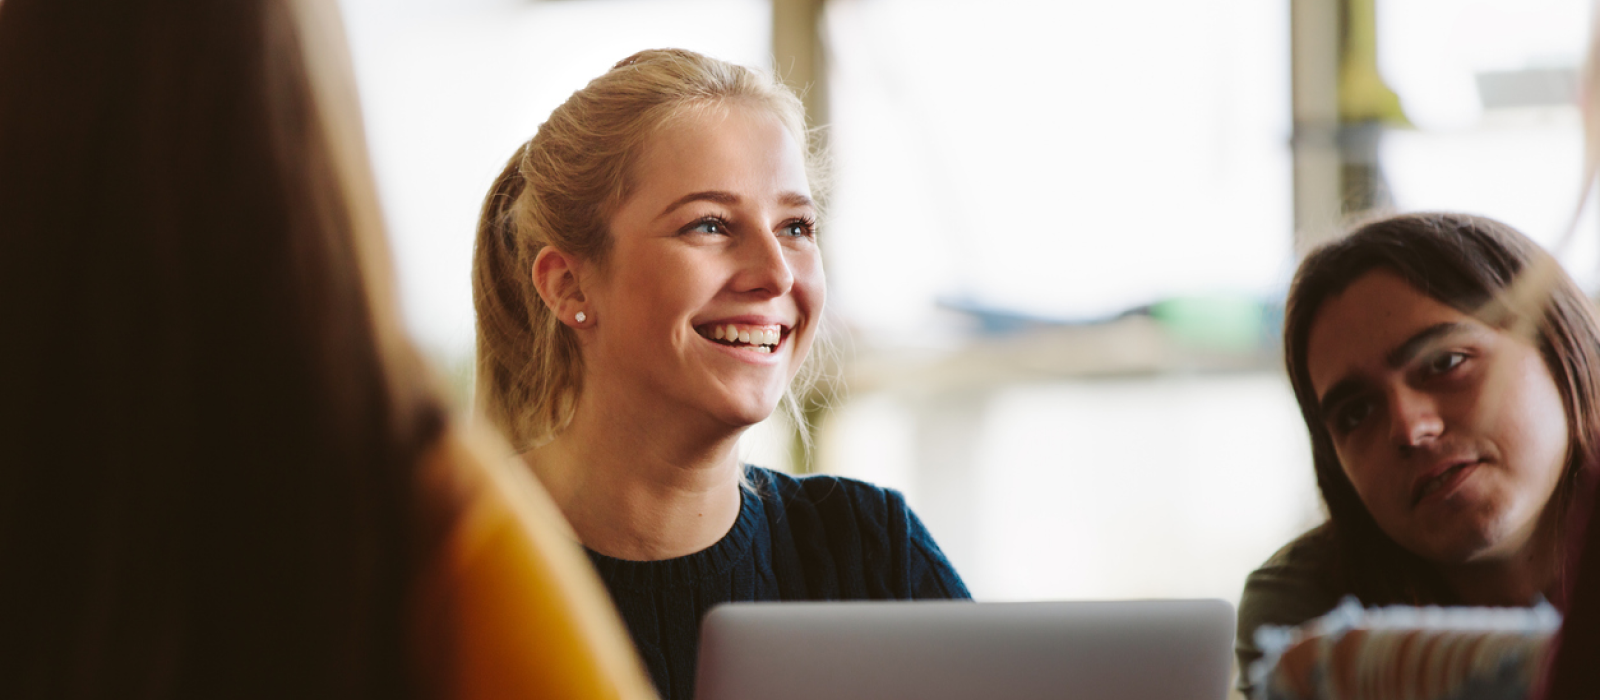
x=763 y=349
x=759 y=337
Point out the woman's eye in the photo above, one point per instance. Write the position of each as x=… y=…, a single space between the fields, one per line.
x=796 y=229
x=1349 y=416
x=712 y=226
x=1445 y=361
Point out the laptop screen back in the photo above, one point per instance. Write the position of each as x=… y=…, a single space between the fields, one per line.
x=1127 y=650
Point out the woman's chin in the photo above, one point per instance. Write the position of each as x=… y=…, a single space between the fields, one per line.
x=740 y=415
x=1457 y=551
x=743 y=420
x=1468 y=543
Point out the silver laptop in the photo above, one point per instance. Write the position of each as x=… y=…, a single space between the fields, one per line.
x=1121 y=650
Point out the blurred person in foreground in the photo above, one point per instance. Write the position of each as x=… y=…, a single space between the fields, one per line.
x=1448 y=444
x=648 y=286
x=227 y=474
x=1571 y=674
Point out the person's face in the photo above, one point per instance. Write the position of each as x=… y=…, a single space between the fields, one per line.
x=714 y=286
x=1451 y=431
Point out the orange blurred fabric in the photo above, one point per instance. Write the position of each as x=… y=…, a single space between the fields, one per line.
x=514 y=609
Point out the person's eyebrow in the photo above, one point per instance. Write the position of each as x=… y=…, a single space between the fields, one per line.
x=795 y=199
x=1413 y=345
x=1396 y=358
x=718 y=196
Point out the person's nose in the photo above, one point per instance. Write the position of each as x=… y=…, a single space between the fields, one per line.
x=1415 y=418
x=763 y=266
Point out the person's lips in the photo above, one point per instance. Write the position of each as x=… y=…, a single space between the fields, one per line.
x=1442 y=478
x=755 y=334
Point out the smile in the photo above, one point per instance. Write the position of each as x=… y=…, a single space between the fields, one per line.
x=762 y=339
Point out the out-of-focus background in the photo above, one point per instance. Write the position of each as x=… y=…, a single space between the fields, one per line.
x=1059 y=232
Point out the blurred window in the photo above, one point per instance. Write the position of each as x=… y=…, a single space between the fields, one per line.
x=1489 y=86
x=1062 y=159
x=1068 y=161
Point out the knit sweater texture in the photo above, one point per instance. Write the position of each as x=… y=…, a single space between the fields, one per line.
x=810 y=538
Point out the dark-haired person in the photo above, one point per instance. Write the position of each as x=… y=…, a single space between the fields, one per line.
x=226 y=472
x=1447 y=447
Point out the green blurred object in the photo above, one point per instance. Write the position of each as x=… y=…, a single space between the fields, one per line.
x=1363 y=96
x=1215 y=322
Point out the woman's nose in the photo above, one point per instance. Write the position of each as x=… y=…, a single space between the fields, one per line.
x=1415 y=418
x=763 y=267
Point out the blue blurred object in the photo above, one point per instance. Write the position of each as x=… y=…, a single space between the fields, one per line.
x=1214 y=322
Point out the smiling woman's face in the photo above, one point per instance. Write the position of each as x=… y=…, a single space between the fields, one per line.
x=1452 y=432
x=713 y=287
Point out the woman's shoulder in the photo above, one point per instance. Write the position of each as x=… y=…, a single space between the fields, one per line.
x=1298 y=581
x=833 y=510
x=826 y=491
x=880 y=547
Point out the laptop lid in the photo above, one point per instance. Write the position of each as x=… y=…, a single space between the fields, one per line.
x=944 y=650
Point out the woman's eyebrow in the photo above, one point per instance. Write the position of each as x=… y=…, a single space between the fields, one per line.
x=1396 y=358
x=792 y=199
x=718 y=196
x=795 y=199
x=1413 y=345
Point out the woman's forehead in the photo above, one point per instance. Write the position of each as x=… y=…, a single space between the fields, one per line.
x=1360 y=328
x=736 y=148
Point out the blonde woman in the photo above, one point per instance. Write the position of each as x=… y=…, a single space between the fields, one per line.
x=227 y=473
x=648 y=286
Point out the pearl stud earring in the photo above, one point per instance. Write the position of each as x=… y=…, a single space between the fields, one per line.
x=580 y=317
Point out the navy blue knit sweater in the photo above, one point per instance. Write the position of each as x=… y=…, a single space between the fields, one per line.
x=814 y=538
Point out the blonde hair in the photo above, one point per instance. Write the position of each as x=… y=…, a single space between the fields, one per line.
x=560 y=189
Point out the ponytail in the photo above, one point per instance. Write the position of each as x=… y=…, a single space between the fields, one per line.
x=560 y=189
x=524 y=392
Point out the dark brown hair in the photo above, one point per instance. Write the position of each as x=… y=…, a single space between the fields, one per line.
x=210 y=426
x=1469 y=263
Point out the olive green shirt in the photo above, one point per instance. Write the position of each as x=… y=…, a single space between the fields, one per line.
x=1296 y=584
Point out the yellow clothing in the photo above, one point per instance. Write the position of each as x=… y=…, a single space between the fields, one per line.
x=514 y=609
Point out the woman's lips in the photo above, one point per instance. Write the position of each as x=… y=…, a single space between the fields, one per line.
x=761 y=338
x=1443 y=480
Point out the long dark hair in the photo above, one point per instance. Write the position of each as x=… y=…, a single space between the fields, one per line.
x=1467 y=262
x=209 y=426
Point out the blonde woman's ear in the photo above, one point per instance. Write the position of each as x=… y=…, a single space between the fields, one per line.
x=555 y=276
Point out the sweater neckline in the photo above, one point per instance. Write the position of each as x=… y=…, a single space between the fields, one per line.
x=689 y=569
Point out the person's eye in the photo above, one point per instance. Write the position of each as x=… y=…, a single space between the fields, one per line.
x=1444 y=362
x=1349 y=415
x=710 y=225
x=798 y=228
